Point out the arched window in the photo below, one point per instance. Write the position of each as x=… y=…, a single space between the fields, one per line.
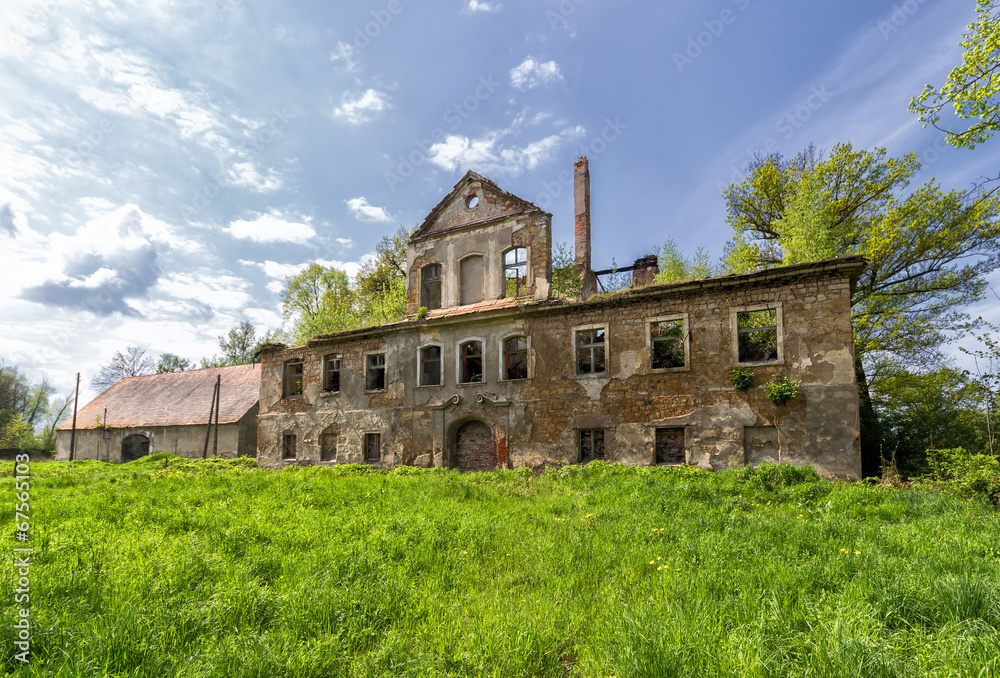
x=471 y=283
x=515 y=272
x=430 y=286
x=471 y=362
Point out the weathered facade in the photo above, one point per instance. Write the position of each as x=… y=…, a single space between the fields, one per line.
x=168 y=413
x=488 y=371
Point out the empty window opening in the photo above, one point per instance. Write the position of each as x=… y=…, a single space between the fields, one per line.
x=430 y=366
x=472 y=202
x=288 y=446
x=666 y=339
x=375 y=372
x=590 y=351
x=373 y=447
x=471 y=356
x=293 y=378
x=515 y=272
x=669 y=446
x=757 y=336
x=331 y=373
x=471 y=285
x=515 y=358
x=328 y=445
x=591 y=445
x=430 y=286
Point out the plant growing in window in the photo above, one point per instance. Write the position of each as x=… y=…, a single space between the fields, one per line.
x=421 y=313
x=741 y=378
x=781 y=389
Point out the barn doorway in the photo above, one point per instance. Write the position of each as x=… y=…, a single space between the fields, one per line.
x=474 y=448
x=134 y=446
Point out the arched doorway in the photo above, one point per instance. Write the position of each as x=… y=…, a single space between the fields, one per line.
x=474 y=447
x=134 y=446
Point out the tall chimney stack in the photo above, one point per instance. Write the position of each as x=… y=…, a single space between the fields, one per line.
x=581 y=204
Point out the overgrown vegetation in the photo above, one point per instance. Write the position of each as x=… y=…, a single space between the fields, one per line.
x=29 y=412
x=167 y=567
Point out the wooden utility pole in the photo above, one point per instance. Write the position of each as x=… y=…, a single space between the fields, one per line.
x=208 y=431
x=72 y=438
x=218 y=406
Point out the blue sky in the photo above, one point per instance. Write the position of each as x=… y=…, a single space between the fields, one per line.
x=164 y=164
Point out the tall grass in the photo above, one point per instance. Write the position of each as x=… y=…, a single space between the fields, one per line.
x=172 y=567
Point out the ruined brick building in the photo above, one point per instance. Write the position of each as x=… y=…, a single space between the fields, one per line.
x=498 y=373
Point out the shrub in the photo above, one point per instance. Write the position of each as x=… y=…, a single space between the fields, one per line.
x=965 y=473
x=421 y=313
x=781 y=389
x=742 y=378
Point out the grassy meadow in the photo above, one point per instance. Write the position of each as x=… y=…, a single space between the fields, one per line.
x=174 y=567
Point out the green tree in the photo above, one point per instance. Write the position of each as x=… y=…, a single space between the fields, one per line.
x=132 y=362
x=928 y=251
x=675 y=267
x=318 y=300
x=239 y=346
x=565 y=281
x=380 y=286
x=973 y=87
x=169 y=362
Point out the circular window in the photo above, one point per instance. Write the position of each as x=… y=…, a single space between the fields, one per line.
x=472 y=201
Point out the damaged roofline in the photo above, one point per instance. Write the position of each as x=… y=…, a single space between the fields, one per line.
x=851 y=265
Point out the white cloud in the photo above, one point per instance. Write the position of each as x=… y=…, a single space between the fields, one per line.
x=344 y=54
x=486 y=154
x=532 y=73
x=272 y=227
x=362 y=108
x=362 y=211
x=477 y=6
x=220 y=291
x=345 y=242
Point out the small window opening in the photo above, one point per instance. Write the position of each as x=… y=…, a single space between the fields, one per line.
x=472 y=362
x=591 y=445
x=293 y=378
x=515 y=272
x=430 y=366
x=590 y=351
x=288 y=446
x=331 y=373
x=375 y=373
x=667 y=341
x=373 y=447
x=758 y=336
x=669 y=446
x=430 y=288
x=515 y=356
x=328 y=445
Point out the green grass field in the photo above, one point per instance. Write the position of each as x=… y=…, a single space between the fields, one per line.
x=171 y=567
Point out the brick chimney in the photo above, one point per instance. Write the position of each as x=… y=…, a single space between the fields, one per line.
x=581 y=204
x=644 y=270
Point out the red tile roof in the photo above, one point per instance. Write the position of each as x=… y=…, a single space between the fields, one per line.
x=491 y=305
x=173 y=399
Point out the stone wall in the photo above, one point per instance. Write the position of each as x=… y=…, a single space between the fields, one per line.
x=186 y=441
x=538 y=420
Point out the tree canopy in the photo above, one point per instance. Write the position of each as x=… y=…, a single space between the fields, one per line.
x=928 y=250
x=239 y=346
x=973 y=87
x=132 y=362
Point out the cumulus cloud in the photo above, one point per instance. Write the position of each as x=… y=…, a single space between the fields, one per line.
x=358 y=109
x=487 y=153
x=477 y=6
x=532 y=73
x=363 y=211
x=272 y=227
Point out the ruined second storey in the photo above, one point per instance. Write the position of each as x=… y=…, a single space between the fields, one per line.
x=479 y=244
